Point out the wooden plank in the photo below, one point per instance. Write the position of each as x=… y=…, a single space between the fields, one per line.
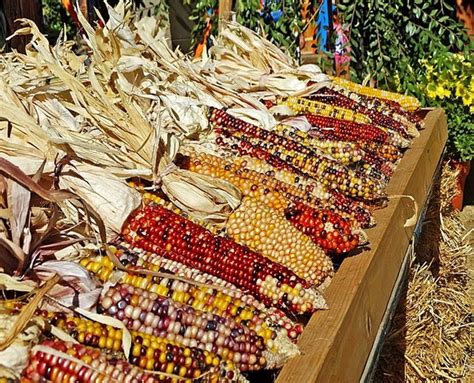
x=400 y=285
x=17 y=9
x=225 y=9
x=336 y=342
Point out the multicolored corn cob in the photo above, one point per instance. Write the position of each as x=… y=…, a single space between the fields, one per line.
x=284 y=153
x=151 y=314
x=256 y=186
x=328 y=230
x=57 y=361
x=385 y=151
x=295 y=188
x=321 y=109
x=332 y=129
x=148 y=352
x=227 y=303
x=345 y=153
x=380 y=112
x=342 y=151
x=163 y=232
x=142 y=259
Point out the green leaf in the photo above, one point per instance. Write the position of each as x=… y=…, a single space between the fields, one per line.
x=448 y=7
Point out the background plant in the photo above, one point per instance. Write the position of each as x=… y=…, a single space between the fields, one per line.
x=395 y=42
x=448 y=82
x=56 y=18
x=279 y=20
x=204 y=11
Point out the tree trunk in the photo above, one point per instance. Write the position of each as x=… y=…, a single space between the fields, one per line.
x=18 y=9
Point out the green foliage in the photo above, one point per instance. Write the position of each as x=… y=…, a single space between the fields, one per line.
x=56 y=18
x=203 y=10
x=393 y=42
x=148 y=8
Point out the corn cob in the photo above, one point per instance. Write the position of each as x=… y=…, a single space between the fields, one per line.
x=385 y=151
x=333 y=129
x=249 y=139
x=296 y=188
x=278 y=179
x=328 y=230
x=216 y=167
x=266 y=231
x=300 y=188
x=57 y=361
x=300 y=105
x=346 y=153
x=254 y=178
x=342 y=151
x=150 y=261
x=407 y=102
x=256 y=187
x=324 y=170
x=379 y=112
x=161 y=231
x=148 y=352
x=148 y=196
x=151 y=314
x=228 y=303
x=402 y=114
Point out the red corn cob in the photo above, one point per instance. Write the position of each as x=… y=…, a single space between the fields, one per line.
x=161 y=231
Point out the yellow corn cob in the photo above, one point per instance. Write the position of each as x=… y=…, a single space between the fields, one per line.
x=407 y=102
x=302 y=105
x=265 y=230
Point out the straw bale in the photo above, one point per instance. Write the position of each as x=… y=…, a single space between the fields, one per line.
x=430 y=338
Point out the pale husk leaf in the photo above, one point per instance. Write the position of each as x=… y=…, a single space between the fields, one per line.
x=108 y=195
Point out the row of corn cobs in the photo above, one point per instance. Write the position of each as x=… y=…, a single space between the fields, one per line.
x=210 y=304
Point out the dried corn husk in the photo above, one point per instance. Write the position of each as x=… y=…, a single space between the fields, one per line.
x=248 y=62
x=10 y=334
x=77 y=288
x=26 y=233
x=14 y=358
x=100 y=113
x=111 y=196
x=110 y=321
x=203 y=197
